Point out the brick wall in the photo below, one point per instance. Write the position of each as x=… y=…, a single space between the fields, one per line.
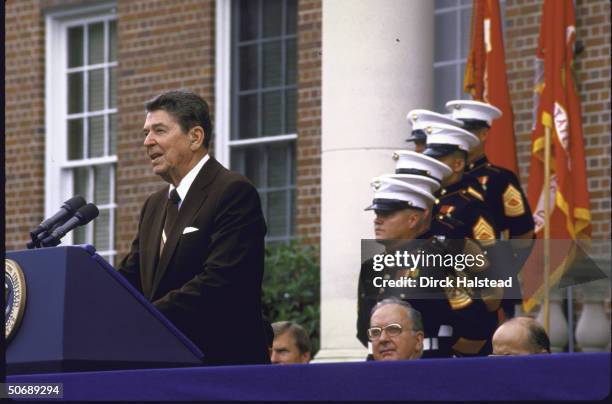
x=163 y=45
x=593 y=79
x=24 y=120
x=308 y=215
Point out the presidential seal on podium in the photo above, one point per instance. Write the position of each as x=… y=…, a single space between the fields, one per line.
x=14 y=296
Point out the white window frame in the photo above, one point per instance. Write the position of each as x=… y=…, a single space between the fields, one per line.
x=58 y=187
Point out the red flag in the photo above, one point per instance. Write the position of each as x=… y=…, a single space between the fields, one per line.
x=557 y=106
x=485 y=78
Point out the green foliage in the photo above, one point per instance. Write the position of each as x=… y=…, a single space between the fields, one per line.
x=291 y=287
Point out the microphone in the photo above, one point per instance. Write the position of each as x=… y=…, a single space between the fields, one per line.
x=83 y=216
x=67 y=210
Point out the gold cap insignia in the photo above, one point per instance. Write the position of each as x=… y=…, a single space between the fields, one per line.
x=429 y=129
x=395 y=156
x=376 y=184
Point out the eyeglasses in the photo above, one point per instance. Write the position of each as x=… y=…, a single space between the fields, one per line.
x=392 y=330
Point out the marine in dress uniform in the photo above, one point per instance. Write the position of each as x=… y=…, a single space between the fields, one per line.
x=502 y=190
x=401 y=194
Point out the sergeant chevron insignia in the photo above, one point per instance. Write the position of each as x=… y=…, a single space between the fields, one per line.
x=483 y=232
x=513 y=202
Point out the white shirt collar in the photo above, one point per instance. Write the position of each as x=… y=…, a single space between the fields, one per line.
x=185 y=184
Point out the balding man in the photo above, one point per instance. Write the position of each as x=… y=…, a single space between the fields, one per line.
x=396 y=331
x=520 y=336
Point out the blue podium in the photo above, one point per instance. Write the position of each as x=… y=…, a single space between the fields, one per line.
x=81 y=314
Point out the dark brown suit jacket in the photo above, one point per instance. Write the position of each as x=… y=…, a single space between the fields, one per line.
x=207 y=282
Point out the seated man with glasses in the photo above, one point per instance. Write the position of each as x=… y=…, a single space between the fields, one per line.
x=396 y=331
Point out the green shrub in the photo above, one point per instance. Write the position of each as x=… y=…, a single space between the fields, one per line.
x=291 y=287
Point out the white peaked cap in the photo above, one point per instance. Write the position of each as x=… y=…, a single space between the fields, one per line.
x=427 y=184
x=475 y=110
x=390 y=189
x=411 y=162
x=423 y=119
x=452 y=135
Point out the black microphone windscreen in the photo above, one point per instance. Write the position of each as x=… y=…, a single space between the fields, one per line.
x=87 y=213
x=75 y=202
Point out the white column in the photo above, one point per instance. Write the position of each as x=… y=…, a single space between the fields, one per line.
x=377 y=64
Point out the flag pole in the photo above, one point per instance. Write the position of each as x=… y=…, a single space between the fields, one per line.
x=547 y=151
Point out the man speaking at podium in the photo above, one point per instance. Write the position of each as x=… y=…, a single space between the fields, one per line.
x=198 y=254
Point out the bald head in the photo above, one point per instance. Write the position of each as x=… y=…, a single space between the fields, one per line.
x=520 y=336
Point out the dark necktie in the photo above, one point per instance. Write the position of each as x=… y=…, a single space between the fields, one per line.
x=171 y=213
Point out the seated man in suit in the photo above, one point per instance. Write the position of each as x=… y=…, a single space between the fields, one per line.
x=291 y=343
x=396 y=331
x=520 y=336
x=199 y=250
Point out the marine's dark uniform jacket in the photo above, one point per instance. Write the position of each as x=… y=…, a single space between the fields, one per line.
x=507 y=202
x=460 y=213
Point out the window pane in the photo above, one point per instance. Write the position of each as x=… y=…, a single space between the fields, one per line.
x=79 y=235
x=75 y=139
x=291 y=62
x=446 y=33
x=277 y=165
x=446 y=3
x=248 y=67
x=102 y=181
x=96 y=137
x=292 y=213
x=272 y=115
x=252 y=165
x=466 y=20
x=248 y=116
x=75 y=46
x=112 y=133
x=277 y=214
x=445 y=85
x=96 y=90
x=291 y=16
x=248 y=10
x=75 y=93
x=101 y=230
x=96 y=43
x=290 y=110
x=80 y=182
x=272 y=17
x=112 y=87
x=272 y=74
x=112 y=41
